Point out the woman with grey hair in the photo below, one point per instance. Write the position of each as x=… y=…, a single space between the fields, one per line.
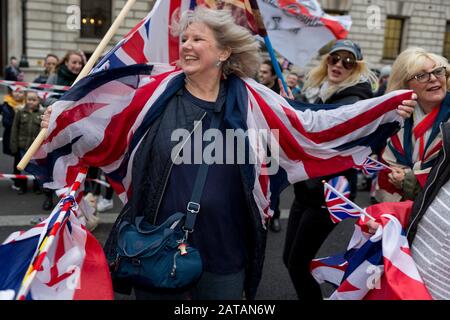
x=217 y=60
x=412 y=152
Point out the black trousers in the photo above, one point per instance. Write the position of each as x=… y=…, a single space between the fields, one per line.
x=307 y=229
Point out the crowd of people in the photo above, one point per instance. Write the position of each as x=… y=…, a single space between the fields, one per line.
x=341 y=77
x=21 y=113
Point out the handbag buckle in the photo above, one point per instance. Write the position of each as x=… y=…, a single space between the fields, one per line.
x=193 y=207
x=135 y=262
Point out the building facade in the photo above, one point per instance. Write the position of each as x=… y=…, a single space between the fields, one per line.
x=383 y=28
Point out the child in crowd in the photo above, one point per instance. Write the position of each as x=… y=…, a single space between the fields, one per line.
x=13 y=101
x=25 y=128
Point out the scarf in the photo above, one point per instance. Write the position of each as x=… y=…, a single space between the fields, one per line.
x=11 y=102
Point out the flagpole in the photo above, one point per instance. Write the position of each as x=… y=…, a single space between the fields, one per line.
x=263 y=32
x=87 y=68
x=47 y=241
x=348 y=201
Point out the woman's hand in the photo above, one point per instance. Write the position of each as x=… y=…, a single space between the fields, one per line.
x=407 y=107
x=396 y=176
x=283 y=93
x=373 y=226
x=45 y=118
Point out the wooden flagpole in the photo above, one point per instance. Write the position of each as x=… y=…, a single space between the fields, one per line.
x=87 y=68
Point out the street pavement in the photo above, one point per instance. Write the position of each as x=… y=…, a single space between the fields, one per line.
x=16 y=212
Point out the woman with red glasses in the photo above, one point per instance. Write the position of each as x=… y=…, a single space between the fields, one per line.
x=342 y=77
x=413 y=151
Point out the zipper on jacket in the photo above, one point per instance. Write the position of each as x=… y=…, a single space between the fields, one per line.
x=429 y=186
x=171 y=166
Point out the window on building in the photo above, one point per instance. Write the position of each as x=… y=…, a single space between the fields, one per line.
x=447 y=42
x=95 y=18
x=393 y=37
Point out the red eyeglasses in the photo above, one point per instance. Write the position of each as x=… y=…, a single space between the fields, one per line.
x=348 y=62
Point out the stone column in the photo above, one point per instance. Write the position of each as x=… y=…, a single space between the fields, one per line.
x=14 y=44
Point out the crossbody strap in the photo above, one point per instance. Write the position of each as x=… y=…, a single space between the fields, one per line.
x=193 y=206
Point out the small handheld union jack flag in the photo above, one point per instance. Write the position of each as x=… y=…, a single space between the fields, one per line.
x=336 y=191
x=370 y=166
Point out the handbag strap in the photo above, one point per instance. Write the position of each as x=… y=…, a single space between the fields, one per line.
x=193 y=206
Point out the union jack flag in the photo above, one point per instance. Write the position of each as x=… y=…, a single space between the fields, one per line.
x=57 y=259
x=371 y=167
x=150 y=40
x=379 y=266
x=121 y=104
x=336 y=205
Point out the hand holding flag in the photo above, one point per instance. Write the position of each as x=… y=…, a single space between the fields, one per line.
x=371 y=166
x=338 y=204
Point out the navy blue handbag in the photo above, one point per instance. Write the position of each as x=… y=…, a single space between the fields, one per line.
x=159 y=257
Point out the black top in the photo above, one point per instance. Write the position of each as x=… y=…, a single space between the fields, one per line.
x=221 y=227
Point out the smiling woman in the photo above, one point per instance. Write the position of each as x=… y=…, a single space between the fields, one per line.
x=412 y=152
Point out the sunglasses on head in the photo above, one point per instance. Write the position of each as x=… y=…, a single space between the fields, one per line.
x=348 y=62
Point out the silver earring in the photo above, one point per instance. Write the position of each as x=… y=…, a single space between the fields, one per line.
x=218 y=63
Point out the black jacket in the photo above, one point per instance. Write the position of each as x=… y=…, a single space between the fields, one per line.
x=310 y=192
x=438 y=176
x=349 y=95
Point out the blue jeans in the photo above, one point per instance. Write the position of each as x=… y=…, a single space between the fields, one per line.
x=211 y=286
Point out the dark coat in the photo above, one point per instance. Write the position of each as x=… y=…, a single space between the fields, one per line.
x=7 y=120
x=26 y=127
x=310 y=192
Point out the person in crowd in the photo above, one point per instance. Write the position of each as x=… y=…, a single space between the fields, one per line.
x=292 y=83
x=413 y=150
x=67 y=70
x=49 y=64
x=25 y=128
x=385 y=73
x=268 y=77
x=342 y=77
x=13 y=102
x=65 y=74
x=428 y=227
x=217 y=59
x=12 y=71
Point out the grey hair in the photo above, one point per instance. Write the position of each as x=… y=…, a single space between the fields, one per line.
x=245 y=57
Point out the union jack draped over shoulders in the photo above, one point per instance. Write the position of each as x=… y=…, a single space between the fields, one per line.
x=120 y=105
x=416 y=147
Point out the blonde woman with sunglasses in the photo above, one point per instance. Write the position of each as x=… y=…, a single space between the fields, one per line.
x=342 y=77
x=413 y=151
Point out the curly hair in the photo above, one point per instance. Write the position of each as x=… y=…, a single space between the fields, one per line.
x=245 y=56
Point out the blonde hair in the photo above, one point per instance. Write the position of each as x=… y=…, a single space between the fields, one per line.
x=409 y=63
x=245 y=57
x=361 y=72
